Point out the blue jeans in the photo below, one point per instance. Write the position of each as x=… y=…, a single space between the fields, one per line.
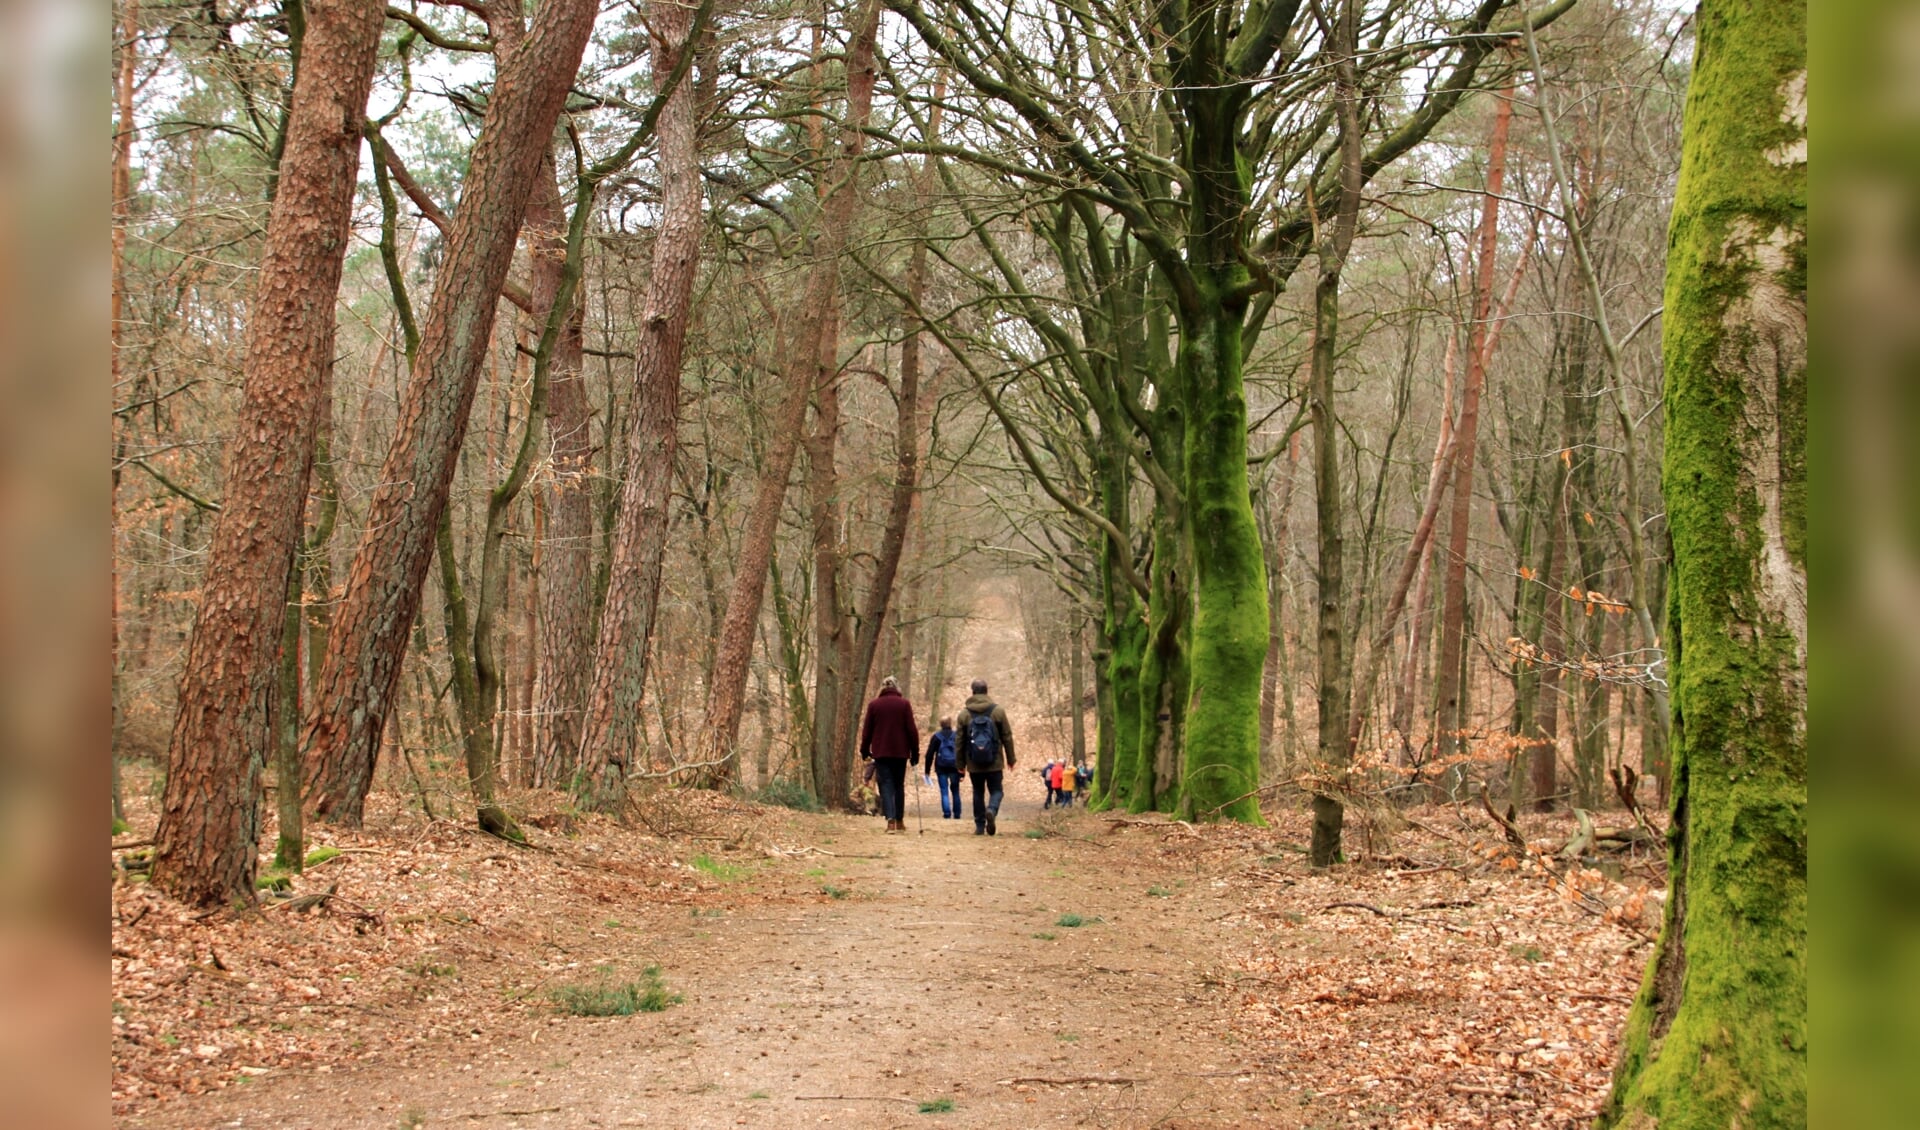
x=986 y=796
x=950 y=793
x=890 y=774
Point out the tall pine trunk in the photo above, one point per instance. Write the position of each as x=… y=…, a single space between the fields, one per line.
x=357 y=684
x=1718 y=1034
x=566 y=550
x=207 y=841
x=833 y=639
x=608 y=738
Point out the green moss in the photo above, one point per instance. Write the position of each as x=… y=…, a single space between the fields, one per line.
x=1129 y=650
x=1229 y=633
x=1717 y=1035
x=1163 y=671
x=320 y=855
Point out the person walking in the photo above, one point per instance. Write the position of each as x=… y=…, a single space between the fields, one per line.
x=1063 y=784
x=943 y=760
x=1047 y=779
x=890 y=738
x=987 y=753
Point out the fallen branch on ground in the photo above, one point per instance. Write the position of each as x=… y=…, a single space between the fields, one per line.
x=305 y=902
x=1398 y=915
x=852 y=1098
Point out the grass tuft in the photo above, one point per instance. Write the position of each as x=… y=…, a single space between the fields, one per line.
x=718 y=869
x=937 y=1106
x=1072 y=920
x=606 y=997
x=788 y=794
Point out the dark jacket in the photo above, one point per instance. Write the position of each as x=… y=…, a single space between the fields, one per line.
x=948 y=738
x=890 y=730
x=978 y=704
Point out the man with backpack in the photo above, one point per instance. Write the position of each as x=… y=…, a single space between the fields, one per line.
x=943 y=757
x=986 y=741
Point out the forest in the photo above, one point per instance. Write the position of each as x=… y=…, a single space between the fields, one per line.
x=1367 y=435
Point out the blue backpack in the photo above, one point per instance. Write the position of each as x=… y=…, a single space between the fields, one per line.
x=944 y=756
x=983 y=740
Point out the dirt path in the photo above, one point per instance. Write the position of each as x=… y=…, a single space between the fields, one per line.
x=850 y=988
x=854 y=981
x=1074 y=970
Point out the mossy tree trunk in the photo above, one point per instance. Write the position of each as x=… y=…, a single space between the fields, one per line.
x=1717 y=1036
x=1221 y=740
x=1222 y=60
x=1164 y=669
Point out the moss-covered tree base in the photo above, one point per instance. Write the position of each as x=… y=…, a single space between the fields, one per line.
x=1718 y=1035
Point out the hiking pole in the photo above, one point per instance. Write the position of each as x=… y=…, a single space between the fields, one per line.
x=918 y=817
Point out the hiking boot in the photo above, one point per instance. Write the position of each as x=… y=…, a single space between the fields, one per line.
x=979 y=829
x=990 y=823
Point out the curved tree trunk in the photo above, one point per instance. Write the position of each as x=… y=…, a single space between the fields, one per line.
x=1718 y=1034
x=357 y=684
x=207 y=849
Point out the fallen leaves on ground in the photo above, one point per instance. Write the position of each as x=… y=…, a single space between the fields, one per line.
x=1469 y=987
x=436 y=934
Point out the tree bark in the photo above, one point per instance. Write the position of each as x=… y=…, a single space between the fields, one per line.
x=210 y=814
x=608 y=736
x=128 y=47
x=1333 y=752
x=1718 y=1033
x=833 y=642
x=906 y=436
x=1449 y=691
x=1273 y=679
x=383 y=583
x=1077 y=682
x=566 y=552
x=727 y=690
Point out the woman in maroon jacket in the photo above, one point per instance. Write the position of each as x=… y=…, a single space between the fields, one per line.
x=891 y=740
